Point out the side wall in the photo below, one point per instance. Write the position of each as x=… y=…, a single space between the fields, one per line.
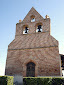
x=47 y=61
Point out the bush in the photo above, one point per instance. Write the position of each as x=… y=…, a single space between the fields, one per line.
x=43 y=81
x=6 y=80
x=58 y=81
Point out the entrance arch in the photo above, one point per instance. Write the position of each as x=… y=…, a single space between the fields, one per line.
x=30 y=69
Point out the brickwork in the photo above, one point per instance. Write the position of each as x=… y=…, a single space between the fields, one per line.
x=37 y=47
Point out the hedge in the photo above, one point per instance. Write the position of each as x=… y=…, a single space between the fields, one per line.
x=6 y=80
x=43 y=81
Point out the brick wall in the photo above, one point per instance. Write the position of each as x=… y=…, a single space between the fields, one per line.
x=40 y=48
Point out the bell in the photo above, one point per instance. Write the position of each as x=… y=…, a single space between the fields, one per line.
x=39 y=28
x=26 y=29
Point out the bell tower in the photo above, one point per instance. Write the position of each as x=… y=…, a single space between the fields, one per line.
x=33 y=23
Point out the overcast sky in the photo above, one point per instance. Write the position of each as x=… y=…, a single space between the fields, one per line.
x=11 y=11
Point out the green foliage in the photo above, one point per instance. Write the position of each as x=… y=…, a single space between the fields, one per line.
x=6 y=80
x=3 y=80
x=43 y=81
x=58 y=81
x=9 y=80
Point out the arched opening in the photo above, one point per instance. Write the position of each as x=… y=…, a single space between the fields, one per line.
x=39 y=27
x=25 y=29
x=32 y=18
x=30 y=69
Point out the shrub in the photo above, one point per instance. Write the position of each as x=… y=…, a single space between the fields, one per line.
x=6 y=80
x=9 y=80
x=58 y=81
x=42 y=81
x=3 y=80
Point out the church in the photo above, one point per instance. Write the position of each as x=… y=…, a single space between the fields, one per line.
x=33 y=52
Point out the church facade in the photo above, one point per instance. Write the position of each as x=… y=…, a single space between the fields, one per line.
x=33 y=52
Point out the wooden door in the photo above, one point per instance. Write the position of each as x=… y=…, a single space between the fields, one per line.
x=30 y=70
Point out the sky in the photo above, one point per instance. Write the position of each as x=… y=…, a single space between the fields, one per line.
x=11 y=11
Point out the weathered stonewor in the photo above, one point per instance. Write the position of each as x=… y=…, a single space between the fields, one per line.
x=39 y=48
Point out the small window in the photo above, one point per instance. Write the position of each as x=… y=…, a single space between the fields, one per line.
x=32 y=18
x=25 y=30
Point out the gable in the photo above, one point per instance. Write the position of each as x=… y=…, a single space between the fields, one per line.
x=32 y=12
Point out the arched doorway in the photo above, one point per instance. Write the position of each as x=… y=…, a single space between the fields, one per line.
x=30 y=69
